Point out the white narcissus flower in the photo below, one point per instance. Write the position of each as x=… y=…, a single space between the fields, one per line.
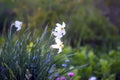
x=60 y=28
x=59 y=45
x=57 y=35
x=59 y=32
x=18 y=25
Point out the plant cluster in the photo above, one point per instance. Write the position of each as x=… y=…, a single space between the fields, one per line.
x=101 y=65
x=26 y=58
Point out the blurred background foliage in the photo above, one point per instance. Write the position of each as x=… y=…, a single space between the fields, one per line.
x=104 y=65
x=88 y=21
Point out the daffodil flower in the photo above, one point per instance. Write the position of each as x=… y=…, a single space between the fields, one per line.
x=59 y=45
x=18 y=25
x=57 y=35
x=60 y=28
x=59 y=32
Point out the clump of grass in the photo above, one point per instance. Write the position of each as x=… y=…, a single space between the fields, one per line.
x=26 y=57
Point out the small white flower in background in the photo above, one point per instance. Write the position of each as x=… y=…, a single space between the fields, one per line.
x=18 y=25
x=92 y=78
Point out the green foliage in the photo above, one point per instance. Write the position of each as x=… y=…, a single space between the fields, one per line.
x=88 y=24
x=104 y=66
x=84 y=19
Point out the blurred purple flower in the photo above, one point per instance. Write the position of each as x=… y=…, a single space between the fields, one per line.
x=34 y=57
x=33 y=65
x=48 y=60
x=50 y=77
x=62 y=78
x=64 y=65
x=67 y=60
x=57 y=78
x=92 y=78
x=54 y=65
x=50 y=71
x=56 y=74
x=70 y=74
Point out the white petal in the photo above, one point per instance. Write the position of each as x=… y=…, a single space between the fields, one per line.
x=18 y=28
x=58 y=25
x=63 y=24
x=57 y=35
x=55 y=46
x=54 y=33
x=60 y=50
x=58 y=41
x=18 y=23
x=57 y=29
